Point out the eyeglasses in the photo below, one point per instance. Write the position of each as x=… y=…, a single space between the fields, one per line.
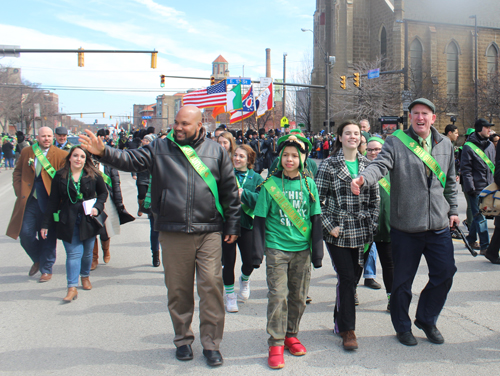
x=373 y=150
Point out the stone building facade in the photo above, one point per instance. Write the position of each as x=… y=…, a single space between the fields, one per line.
x=439 y=48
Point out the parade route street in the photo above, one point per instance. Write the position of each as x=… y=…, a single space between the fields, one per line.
x=122 y=326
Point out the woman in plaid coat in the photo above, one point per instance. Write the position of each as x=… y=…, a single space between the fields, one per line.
x=349 y=222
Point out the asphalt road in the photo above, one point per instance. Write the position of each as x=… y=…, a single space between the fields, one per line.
x=122 y=327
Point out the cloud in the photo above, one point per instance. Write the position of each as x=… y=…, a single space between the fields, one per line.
x=170 y=14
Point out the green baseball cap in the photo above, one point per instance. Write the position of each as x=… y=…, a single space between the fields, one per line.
x=423 y=101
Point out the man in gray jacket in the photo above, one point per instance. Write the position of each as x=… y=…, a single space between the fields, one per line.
x=423 y=208
x=193 y=202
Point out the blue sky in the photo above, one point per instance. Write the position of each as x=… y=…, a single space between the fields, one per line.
x=188 y=34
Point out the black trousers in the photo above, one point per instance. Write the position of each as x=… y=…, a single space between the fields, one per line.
x=245 y=244
x=407 y=250
x=345 y=263
x=494 y=246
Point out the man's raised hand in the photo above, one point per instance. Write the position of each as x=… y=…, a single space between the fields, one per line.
x=92 y=144
x=356 y=185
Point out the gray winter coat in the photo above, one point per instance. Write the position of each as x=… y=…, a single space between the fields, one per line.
x=476 y=174
x=418 y=203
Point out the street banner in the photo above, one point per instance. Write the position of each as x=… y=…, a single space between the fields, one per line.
x=248 y=108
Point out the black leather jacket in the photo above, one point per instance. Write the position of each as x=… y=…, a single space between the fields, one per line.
x=180 y=199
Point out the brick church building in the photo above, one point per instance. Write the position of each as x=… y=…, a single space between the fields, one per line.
x=434 y=39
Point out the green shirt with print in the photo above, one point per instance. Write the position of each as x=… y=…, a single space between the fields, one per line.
x=280 y=231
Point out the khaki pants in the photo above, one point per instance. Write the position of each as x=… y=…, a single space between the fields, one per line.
x=183 y=255
x=288 y=278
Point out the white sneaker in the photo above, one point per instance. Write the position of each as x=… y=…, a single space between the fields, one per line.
x=244 y=289
x=231 y=302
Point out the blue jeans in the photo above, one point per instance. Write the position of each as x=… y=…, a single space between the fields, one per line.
x=9 y=162
x=371 y=263
x=78 y=257
x=38 y=249
x=153 y=235
x=479 y=224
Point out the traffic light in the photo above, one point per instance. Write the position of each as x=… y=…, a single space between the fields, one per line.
x=356 y=80
x=162 y=80
x=154 y=57
x=342 y=82
x=80 y=58
x=212 y=80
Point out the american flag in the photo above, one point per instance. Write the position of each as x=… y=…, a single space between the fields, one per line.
x=211 y=96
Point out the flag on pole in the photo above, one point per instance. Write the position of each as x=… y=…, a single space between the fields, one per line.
x=211 y=96
x=234 y=98
x=218 y=110
x=265 y=101
x=247 y=110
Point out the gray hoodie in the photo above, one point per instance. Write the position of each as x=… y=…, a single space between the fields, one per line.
x=418 y=203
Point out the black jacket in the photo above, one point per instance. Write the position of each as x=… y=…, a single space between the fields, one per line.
x=59 y=200
x=180 y=199
x=476 y=174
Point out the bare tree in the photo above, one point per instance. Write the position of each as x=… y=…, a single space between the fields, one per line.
x=299 y=100
x=374 y=98
x=489 y=97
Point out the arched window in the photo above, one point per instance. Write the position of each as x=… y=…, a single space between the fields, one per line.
x=452 y=76
x=492 y=60
x=383 y=43
x=416 y=66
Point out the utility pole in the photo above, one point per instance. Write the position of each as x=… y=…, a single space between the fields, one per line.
x=284 y=80
x=476 y=110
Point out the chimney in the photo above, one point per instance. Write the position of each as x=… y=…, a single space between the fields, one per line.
x=268 y=62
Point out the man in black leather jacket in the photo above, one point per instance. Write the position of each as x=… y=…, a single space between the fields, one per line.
x=190 y=225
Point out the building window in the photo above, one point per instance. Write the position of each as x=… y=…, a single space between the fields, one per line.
x=416 y=67
x=492 y=60
x=452 y=76
x=383 y=43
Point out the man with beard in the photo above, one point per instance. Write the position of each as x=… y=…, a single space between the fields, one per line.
x=32 y=181
x=195 y=204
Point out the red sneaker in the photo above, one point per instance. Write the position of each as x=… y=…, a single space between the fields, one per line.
x=276 y=359
x=294 y=346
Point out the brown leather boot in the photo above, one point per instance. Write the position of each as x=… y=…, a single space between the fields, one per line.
x=349 y=340
x=86 y=285
x=141 y=202
x=72 y=295
x=105 y=250
x=95 y=256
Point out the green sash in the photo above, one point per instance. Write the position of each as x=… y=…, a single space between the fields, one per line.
x=384 y=183
x=107 y=179
x=287 y=207
x=44 y=161
x=147 y=199
x=247 y=209
x=413 y=145
x=201 y=169
x=483 y=156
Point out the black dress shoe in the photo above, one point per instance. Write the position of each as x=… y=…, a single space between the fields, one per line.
x=431 y=332
x=493 y=259
x=214 y=358
x=407 y=338
x=184 y=352
x=371 y=283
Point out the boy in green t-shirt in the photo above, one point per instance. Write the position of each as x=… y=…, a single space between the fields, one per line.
x=288 y=230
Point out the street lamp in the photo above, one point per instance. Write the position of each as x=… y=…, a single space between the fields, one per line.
x=329 y=61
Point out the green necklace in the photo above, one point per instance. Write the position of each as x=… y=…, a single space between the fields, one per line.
x=79 y=195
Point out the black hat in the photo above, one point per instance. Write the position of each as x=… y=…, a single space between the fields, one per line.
x=103 y=132
x=480 y=123
x=61 y=131
x=423 y=101
x=262 y=131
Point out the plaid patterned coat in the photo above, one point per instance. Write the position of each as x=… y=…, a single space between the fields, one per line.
x=357 y=216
